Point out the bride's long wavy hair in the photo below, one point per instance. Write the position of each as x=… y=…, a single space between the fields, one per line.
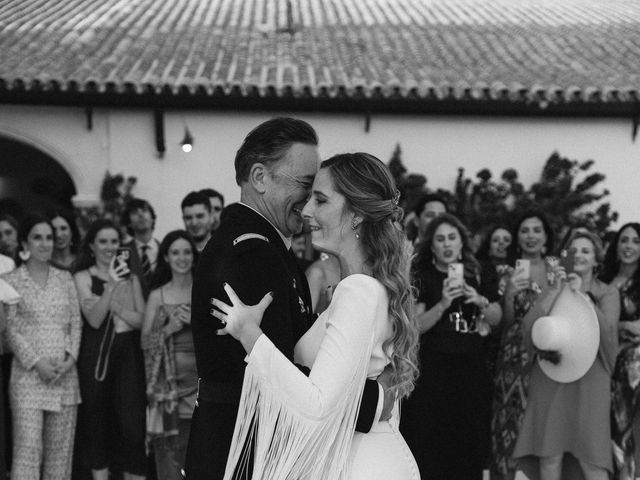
x=370 y=192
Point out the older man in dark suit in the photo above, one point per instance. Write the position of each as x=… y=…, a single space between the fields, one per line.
x=275 y=167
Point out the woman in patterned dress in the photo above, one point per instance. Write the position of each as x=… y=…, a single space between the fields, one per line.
x=621 y=270
x=44 y=333
x=170 y=363
x=534 y=238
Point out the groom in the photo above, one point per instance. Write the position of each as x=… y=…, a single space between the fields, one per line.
x=275 y=167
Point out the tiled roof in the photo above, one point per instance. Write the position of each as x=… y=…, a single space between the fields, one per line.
x=516 y=50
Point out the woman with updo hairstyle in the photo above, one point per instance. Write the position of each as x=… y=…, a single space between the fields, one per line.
x=446 y=418
x=621 y=270
x=306 y=423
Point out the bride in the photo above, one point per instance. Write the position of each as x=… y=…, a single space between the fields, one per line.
x=291 y=426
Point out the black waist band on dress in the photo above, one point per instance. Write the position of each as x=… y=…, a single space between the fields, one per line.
x=219 y=392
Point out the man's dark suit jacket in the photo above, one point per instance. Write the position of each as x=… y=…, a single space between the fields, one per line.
x=247 y=253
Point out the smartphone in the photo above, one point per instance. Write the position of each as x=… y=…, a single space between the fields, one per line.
x=456 y=274
x=568 y=260
x=524 y=266
x=123 y=257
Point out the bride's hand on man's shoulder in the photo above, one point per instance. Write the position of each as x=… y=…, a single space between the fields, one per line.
x=239 y=319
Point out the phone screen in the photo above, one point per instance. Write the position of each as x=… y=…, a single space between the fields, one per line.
x=455 y=274
x=524 y=266
x=568 y=259
x=123 y=257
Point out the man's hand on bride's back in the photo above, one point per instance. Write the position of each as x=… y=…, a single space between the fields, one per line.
x=240 y=321
x=384 y=379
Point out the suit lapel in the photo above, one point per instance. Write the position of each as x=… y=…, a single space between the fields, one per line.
x=255 y=223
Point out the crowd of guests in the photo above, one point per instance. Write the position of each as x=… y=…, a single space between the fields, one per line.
x=100 y=377
x=103 y=375
x=481 y=401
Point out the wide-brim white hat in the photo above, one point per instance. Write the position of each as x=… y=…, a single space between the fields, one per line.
x=572 y=329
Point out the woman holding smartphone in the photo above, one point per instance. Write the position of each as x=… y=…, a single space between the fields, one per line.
x=111 y=367
x=446 y=419
x=531 y=279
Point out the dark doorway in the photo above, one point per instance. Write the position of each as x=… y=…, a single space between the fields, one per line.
x=31 y=180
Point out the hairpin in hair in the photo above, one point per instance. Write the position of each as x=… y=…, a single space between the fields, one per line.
x=396 y=197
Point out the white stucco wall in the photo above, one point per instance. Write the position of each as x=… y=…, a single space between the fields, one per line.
x=123 y=142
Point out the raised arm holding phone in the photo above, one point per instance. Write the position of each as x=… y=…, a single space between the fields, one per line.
x=449 y=410
x=110 y=366
x=532 y=277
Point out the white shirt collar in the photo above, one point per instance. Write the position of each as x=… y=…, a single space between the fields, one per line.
x=285 y=240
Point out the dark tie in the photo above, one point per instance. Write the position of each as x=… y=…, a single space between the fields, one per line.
x=146 y=263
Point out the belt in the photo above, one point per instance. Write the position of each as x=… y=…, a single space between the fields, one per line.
x=219 y=392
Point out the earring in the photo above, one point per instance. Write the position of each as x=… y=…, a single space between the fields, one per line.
x=24 y=255
x=354 y=226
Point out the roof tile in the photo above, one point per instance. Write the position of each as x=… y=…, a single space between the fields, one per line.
x=450 y=49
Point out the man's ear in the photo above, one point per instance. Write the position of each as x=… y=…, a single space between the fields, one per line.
x=257 y=177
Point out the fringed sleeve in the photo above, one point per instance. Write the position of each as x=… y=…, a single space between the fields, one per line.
x=290 y=426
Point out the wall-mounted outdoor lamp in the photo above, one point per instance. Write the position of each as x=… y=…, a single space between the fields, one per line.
x=187 y=141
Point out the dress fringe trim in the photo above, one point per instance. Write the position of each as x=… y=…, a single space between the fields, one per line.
x=275 y=439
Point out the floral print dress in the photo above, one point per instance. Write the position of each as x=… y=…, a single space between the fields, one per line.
x=511 y=382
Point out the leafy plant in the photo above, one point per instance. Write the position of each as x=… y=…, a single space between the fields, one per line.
x=566 y=191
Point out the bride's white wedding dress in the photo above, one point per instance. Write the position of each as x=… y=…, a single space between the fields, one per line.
x=303 y=427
